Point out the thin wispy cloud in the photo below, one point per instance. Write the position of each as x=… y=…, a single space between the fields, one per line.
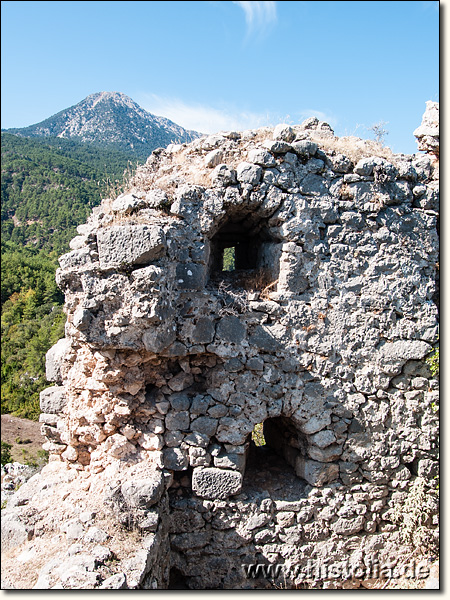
x=200 y=117
x=210 y=119
x=258 y=15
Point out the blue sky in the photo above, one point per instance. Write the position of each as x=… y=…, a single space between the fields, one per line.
x=211 y=66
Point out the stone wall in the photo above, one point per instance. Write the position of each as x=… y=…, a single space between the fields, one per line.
x=320 y=334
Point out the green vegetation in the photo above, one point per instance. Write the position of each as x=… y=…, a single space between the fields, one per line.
x=6 y=453
x=229 y=259
x=258 y=435
x=433 y=362
x=32 y=321
x=48 y=187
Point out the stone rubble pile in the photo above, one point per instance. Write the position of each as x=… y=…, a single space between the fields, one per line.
x=320 y=333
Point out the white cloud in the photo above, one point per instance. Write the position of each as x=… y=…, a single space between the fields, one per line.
x=203 y=118
x=209 y=119
x=258 y=15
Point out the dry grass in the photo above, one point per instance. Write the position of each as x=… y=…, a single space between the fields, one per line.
x=353 y=147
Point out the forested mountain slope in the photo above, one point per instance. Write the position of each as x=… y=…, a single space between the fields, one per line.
x=48 y=187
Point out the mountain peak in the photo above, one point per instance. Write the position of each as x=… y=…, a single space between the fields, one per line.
x=114 y=97
x=111 y=119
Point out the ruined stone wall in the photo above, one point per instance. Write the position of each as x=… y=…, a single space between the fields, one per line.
x=320 y=334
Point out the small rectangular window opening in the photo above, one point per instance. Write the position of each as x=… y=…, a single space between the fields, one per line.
x=229 y=259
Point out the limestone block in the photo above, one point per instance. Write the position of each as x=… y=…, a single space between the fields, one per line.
x=197 y=439
x=175 y=459
x=54 y=360
x=181 y=381
x=328 y=454
x=316 y=423
x=255 y=364
x=121 y=245
x=14 y=533
x=205 y=425
x=77 y=259
x=427 y=133
x=231 y=461
x=127 y=203
x=403 y=350
x=213 y=483
x=115 y=582
x=157 y=339
x=277 y=146
x=203 y=332
x=52 y=400
x=316 y=473
x=185 y=203
x=263 y=339
x=177 y=420
x=283 y=132
x=231 y=329
x=118 y=446
x=323 y=438
x=191 y=276
x=81 y=319
x=313 y=185
x=223 y=175
x=348 y=526
x=261 y=157
x=248 y=173
x=304 y=147
x=179 y=401
x=213 y=158
x=143 y=493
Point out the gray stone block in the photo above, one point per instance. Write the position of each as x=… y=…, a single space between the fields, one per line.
x=179 y=401
x=157 y=339
x=214 y=483
x=122 y=245
x=328 y=454
x=262 y=339
x=316 y=473
x=230 y=329
x=191 y=276
x=143 y=493
x=206 y=425
x=54 y=359
x=203 y=332
x=248 y=173
x=52 y=400
x=175 y=459
x=177 y=420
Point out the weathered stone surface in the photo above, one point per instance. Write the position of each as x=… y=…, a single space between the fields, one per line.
x=175 y=459
x=348 y=526
x=231 y=329
x=121 y=245
x=53 y=399
x=216 y=483
x=428 y=133
x=204 y=331
x=54 y=360
x=115 y=582
x=143 y=493
x=248 y=173
x=191 y=276
x=316 y=473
